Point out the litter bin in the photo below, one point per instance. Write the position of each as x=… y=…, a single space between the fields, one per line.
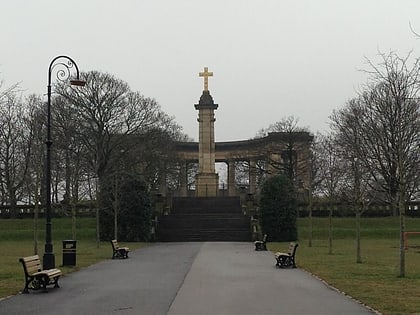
x=69 y=253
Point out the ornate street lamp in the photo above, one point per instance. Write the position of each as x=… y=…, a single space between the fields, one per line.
x=65 y=65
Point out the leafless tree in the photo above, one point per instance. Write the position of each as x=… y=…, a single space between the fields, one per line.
x=34 y=180
x=69 y=157
x=115 y=122
x=316 y=180
x=288 y=163
x=391 y=124
x=348 y=135
x=391 y=129
x=288 y=154
x=107 y=111
x=15 y=147
x=5 y=94
x=330 y=176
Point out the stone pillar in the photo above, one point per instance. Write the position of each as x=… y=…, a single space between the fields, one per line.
x=207 y=180
x=183 y=174
x=231 y=178
x=274 y=160
x=252 y=176
x=304 y=165
x=162 y=189
x=162 y=181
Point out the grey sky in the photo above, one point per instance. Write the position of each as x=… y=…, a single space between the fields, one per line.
x=270 y=58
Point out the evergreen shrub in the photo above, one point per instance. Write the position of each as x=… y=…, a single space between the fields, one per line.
x=278 y=209
x=134 y=210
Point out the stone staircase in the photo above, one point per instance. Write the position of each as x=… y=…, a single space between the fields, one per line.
x=204 y=219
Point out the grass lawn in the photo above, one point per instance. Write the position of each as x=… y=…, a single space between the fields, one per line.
x=375 y=281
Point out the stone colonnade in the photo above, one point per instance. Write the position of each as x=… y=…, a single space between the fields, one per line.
x=231 y=189
x=269 y=149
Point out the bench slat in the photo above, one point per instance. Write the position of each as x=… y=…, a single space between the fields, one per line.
x=50 y=273
x=30 y=258
x=32 y=263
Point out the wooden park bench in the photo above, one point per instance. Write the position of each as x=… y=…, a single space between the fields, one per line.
x=284 y=260
x=117 y=251
x=261 y=245
x=35 y=277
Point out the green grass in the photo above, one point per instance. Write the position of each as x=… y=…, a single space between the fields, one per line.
x=375 y=281
x=17 y=240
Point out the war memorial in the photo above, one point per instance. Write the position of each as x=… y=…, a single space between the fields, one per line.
x=209 y=212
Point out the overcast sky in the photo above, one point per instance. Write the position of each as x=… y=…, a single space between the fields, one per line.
x=270 y=58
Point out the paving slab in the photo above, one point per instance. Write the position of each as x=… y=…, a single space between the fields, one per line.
x=187 y=278
x=232 y=278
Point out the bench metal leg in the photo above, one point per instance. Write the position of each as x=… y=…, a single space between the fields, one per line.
x=26 y=289
x=56 y=282
x=43 y=280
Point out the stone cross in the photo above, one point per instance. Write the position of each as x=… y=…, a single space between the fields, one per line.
x=206 y=74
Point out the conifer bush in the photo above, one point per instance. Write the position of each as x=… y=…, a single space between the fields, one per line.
x=278 y=209
x=134 y=216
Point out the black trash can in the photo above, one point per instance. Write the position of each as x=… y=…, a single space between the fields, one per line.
x=69 y=253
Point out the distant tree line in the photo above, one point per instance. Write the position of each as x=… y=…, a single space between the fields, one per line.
x=101 y=134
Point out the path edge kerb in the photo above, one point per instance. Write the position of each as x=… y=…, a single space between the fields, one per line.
x=374 y=311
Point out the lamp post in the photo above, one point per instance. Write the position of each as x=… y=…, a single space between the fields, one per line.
x=65 y=65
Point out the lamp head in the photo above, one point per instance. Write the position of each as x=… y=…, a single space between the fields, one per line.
x=77 y=82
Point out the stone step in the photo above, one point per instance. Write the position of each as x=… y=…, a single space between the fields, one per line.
x=204 y=235
x=196 y=221
x=204 y=219
x=206 y=205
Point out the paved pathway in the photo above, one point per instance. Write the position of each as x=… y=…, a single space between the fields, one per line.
x=187 y=278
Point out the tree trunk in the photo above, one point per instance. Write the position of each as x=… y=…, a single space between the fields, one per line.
x=330 y=232
x=36 y=210
x=74 y=198
x=310 y=232
x=98 y=238
x=401 y=206
x=13 y=204
x=115 y=206
x=358 y=250
x=73 y=221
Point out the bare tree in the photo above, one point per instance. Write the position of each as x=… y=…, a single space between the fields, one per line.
x=330 y=176
x=114 y=120
x=288 y=152
x=108 y=110
x=391 y=125
x=34 y=179
x=315 y=181
x=349 y=141
x=69 y=154
x=5 y=94
x=391 y=130
x=15 y=146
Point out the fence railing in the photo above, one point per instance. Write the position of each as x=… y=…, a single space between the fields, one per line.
x=318 y=210
x=27 y=211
